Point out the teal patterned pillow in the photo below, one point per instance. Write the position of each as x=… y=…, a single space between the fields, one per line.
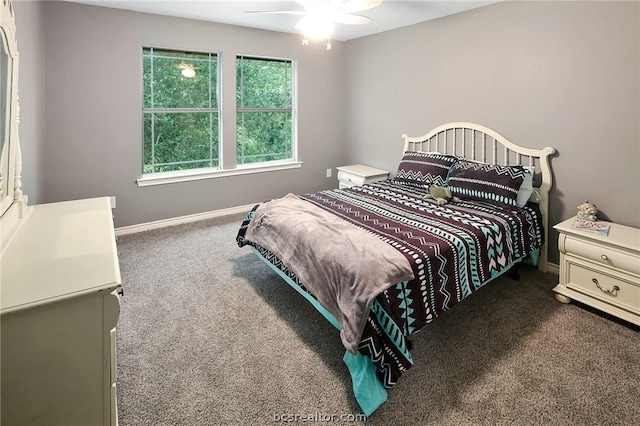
x=486 y=182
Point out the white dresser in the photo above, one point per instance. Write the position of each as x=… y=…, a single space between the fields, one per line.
x=60 y=278
x=359 y=174
x=602 y=271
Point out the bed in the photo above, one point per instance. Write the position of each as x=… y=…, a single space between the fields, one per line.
x=381 y=261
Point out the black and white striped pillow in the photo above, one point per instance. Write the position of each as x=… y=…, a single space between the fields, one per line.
x=496 y=184
x=424 y=168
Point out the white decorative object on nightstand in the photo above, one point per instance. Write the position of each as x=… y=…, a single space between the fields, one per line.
x=359 y=174
x=602 y=271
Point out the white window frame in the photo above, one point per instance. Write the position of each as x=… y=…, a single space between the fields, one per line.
x=224 y=108
x=155 y=176
x=292 y=110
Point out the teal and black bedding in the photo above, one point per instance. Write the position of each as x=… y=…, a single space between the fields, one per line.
x=453 y=249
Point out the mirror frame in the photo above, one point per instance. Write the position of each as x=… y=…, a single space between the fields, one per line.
x=13 y=207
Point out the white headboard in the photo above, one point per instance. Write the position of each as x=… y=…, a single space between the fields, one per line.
x=480 y=143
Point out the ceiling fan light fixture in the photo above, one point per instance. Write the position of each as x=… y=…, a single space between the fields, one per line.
x=315 y=27
x=319 y=16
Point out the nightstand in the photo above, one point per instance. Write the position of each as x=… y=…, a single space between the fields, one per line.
x=359 y=174
x=602 y=271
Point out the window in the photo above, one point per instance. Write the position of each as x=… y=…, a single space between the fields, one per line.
x=264 y=120
x=180 y=110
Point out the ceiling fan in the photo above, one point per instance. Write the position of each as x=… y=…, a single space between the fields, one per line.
x=319 y=16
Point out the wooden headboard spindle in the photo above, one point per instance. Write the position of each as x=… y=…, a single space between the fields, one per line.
x=484 y=148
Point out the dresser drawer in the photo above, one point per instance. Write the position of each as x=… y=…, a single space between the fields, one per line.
x=600 y=254
x=604 y=285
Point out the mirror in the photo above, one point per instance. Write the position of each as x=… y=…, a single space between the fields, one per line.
x=5 y=115
x=13 y=203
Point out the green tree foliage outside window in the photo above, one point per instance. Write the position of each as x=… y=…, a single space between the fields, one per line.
x=264 y=116
x=181 y=116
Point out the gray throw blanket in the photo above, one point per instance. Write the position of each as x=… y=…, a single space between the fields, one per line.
x=344 y=266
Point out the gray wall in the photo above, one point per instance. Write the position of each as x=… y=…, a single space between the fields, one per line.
x=94 y=119
x=561 y=74
x=29 y=35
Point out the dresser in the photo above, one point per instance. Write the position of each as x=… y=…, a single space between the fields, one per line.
x=602 y=271
x=359 y=174
x=59 y=309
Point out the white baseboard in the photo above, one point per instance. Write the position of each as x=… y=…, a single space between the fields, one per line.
x=552 y=268
x=132 y=229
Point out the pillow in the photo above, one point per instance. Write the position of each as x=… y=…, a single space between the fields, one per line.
x=486 y=182
x=526 y=189
x=424 y=168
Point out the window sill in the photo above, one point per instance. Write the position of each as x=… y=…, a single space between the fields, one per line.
x=190 y=175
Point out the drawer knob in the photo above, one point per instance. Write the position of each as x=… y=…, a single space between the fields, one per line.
x=613 y=292
x=604 y=257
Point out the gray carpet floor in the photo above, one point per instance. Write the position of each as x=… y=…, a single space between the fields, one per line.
x=210 y=335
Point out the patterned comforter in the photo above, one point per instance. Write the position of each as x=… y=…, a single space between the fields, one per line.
x=453 y=250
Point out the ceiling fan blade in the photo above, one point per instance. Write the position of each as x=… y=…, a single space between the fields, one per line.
x=350 y=19
x=350 y=6
x=286 y=12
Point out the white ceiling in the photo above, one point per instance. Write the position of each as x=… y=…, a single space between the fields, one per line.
x=389 y=15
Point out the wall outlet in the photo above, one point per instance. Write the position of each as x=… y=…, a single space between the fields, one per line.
x=328 y=172
x=113 y=201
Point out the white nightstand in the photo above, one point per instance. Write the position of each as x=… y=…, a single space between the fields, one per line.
x=359 y=174
x=602 y=271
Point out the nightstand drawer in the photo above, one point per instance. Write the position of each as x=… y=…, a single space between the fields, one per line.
x=601 y=254
x=359 y=174
x=350 y=178
x=603 y=285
